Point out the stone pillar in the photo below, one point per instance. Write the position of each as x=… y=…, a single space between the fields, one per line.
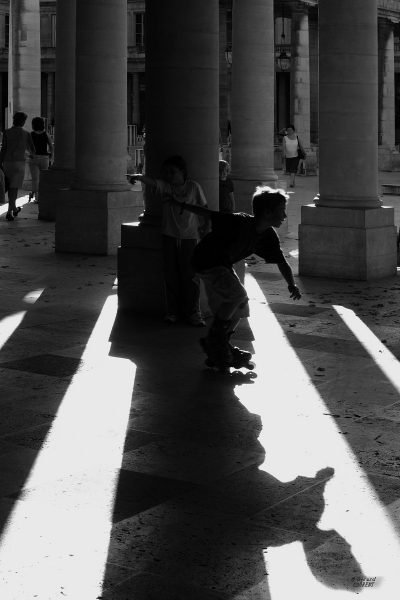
x=347 y=233
x=300 y=82
x=181 y=118
x=89 y=216
x=24 y=90
x=386 y=133
x=252 y=98
x=60 y=175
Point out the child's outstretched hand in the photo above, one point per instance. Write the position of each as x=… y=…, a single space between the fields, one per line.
x=294 y=292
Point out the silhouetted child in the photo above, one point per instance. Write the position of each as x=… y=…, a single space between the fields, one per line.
x=234 y=237
x=181 y=233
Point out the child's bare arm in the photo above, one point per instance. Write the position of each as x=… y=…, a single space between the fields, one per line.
x=194 y=208
x=142 y=178
x=287 y=273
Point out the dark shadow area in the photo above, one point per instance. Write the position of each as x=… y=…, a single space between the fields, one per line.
x=194 y=514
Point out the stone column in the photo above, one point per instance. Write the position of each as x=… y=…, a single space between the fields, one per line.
x=89 y=216
x=181 y=118
x=60 y=175
x=24 y=89
x=347 y=233
x=252 y=98
x=300 y=82
x=386 y=133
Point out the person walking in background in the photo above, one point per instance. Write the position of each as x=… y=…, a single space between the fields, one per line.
x=44 y=153
x=291 y=146
x=17 y=142
x=226 y=195
x=181 y=233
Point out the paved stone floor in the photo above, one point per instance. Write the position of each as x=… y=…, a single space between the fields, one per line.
x=128 y=471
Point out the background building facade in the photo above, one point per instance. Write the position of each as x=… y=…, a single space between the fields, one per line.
x=296 y=72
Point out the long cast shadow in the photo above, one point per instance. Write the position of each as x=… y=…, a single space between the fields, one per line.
x=194 y=514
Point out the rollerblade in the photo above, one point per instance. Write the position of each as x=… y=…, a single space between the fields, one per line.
x=217 y=347
x=241 y=358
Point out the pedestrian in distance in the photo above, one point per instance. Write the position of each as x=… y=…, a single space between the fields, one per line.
x=232 y=238
x=226 y=193
x=292 y=152
x=44 y=153
x=17 y=143
x=181 y=231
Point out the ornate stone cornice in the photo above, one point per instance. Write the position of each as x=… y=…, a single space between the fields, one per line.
x=389 y=9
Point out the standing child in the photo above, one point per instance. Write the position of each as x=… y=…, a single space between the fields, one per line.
x=234 y=237
x=181 y=233
x=226 y=197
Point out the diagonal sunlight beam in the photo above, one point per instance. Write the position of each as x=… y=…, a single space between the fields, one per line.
x=56 y=540
x=299 y=440
x=378 y=352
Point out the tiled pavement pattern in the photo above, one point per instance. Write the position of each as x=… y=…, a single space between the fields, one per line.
x=128 y=471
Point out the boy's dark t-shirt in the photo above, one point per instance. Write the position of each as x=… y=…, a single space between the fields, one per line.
x=233 y=237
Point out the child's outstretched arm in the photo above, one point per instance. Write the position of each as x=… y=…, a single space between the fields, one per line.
x=194 y=208
x=142 y=178
x=287 y=273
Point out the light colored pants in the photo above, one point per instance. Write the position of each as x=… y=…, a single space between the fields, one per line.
x=37 y=164
x=223 y=288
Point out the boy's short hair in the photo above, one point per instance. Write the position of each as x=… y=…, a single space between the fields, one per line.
x=19 y=119
x=37 y=123
x=223 y=164
x=267 y=199
x=178 y=162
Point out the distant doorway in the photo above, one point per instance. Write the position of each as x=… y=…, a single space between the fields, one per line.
x=282 y=99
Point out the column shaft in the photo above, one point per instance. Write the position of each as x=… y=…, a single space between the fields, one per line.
x=348 y=103
x=101 y=94
x=182 y=85
x=252 y=100
x=301 y=76
x=60 y=175
x=386 y=84
x=24 y=89
x=64 y=155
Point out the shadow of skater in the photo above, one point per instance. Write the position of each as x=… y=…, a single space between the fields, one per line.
x=194 y=515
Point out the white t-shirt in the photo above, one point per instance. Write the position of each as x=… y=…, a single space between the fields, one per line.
x=291 y=147
x=181 y=225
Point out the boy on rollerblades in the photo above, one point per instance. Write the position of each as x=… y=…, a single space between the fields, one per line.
x=232 y=238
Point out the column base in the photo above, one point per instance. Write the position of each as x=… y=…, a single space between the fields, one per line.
x=358 y=244
x=140 y=271
x=89 y=221
x=51 y=182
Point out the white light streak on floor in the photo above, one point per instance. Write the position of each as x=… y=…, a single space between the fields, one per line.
x=381 y=355
x=10 y=324
x=20 y=202
x=56 y=540
x=299 y=440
